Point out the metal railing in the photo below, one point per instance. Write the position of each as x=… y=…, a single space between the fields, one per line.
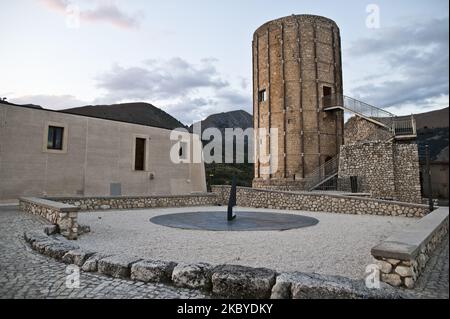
x=405 y=126
x=323 y=173
x=367 y=111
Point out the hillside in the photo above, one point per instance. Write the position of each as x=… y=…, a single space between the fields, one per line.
x=233 y=119
x=221 y=173
x=137 y=113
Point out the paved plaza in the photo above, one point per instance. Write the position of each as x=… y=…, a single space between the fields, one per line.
x=26 y=274
x=337 y=245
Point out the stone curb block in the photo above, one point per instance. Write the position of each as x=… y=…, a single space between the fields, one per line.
x=77 y=257
x=237 y=281
x=91 y=264
x=152 y=271
x=116 y=266
x=298 y=285
x=57 y=250
x=194 y=276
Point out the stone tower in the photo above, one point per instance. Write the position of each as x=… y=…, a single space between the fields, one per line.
x=296 y=61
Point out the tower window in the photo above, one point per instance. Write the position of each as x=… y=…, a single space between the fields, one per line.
x=327 y=91
x=262 y=96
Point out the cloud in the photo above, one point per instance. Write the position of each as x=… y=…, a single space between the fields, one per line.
x=188 y=91
x=411 y=65
x=160 y=79
x=56 y=102
x=104 y=12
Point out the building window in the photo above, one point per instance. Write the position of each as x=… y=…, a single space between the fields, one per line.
x=327 y=91
x=262 y=96
x=139 y=156
x=55 y=138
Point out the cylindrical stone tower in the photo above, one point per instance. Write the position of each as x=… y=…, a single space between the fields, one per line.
x=296 y=61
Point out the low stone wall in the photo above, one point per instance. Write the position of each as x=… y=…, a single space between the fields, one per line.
x=134 y=202
x=310 y=201
x=224 y=281
x=62 y=215
x=279 y=185
x=402 y=257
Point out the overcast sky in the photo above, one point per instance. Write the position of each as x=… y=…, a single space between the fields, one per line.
x=193 y=58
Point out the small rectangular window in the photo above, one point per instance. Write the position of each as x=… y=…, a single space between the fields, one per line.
x=55 y=138
x=327 y=91
x=139 y=156
x=262 y=96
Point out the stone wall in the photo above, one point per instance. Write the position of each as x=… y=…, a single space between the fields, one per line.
x=390 y=170
x=310 y=201
x=407 y=172
x=278 y=184
x=402 y=257
x=358 y=129
x=125 y=202
x=64 y=216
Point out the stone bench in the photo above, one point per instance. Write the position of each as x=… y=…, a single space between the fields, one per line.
x=60 y=214
x=402 y=257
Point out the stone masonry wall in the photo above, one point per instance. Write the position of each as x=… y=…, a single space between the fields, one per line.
x=390 y=170
x=407 y=173
x=64 y=217
x=104 y=203
x=372 y=161
x=358 y=129
x=309 y=201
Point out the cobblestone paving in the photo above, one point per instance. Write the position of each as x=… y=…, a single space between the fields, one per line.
x=26 y=274
x=434 y=281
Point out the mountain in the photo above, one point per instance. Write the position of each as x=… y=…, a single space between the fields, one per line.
x=24 y=105
x=222 y=173
x=233 y=119
x=137 y=113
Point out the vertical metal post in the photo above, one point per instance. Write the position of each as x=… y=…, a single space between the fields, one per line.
x=232 y=201
x=428 y=172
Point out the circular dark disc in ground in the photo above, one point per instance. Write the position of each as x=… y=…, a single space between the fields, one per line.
x=245 y=221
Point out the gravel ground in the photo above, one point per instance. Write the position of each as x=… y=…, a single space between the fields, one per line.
x=338 y=245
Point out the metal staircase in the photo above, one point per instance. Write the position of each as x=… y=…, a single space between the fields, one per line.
x=322 y=174
x=400 y=128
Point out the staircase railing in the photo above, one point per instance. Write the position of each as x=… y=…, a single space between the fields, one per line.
x=405 y=126
x=367 y=111
x=324 y=172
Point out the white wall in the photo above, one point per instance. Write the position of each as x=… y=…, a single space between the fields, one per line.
x=99 y=152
